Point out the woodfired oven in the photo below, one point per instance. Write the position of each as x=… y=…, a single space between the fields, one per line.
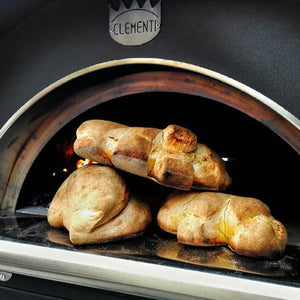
x=160 y=82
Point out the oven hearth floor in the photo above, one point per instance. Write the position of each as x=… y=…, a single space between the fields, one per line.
x=155 y=246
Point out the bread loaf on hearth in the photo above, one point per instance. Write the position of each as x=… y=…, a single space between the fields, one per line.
x=210 y=219
x=171 y=157
x=94 y=205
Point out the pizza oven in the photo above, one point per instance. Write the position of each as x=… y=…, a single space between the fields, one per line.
x=227 y=71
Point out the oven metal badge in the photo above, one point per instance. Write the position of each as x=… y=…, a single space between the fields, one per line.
x=135 y=25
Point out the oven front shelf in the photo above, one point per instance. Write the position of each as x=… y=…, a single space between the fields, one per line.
x=153 y=264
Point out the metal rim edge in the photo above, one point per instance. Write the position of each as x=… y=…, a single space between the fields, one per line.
x=154 y=61
x=132 y=276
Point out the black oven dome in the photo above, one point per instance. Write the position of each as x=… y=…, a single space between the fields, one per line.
x=254 y=42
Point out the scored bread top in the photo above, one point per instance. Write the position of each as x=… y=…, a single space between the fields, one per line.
x=89 y=197
x=208 y=219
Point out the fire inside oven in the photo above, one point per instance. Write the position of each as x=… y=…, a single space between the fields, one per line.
x=260 y=163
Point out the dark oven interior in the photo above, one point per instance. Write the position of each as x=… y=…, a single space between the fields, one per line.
x=261 y=163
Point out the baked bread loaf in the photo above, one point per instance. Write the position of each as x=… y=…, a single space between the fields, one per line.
x=171 y=157
x=209 y=219
x=93 y=204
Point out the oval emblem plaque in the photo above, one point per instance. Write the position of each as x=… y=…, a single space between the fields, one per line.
x=135 y=25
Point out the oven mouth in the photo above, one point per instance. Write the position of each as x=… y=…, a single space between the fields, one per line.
x=98 y=85
x=255 y=156
x=257 y=143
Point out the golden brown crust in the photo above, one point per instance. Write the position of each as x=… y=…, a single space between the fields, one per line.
x=94 y=206
x=170 y=156
x=134 y=218
x=209 y=169
x=90 y=142
x=89 y=197
x=208 y=219
x=136 y=143
x=179 y=139
x=259 y=235
x=131 y=151
x=174 y=170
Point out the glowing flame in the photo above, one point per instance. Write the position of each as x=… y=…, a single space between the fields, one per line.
x=82 y=162
x=63 y=170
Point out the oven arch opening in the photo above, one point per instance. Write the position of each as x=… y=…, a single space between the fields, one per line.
x=115 y=84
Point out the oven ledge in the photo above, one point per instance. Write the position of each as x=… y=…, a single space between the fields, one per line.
x=132 y=277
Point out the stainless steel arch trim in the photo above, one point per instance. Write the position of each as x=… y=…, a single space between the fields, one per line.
x=154 y=61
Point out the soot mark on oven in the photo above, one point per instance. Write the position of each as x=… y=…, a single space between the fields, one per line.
x=12 y=142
